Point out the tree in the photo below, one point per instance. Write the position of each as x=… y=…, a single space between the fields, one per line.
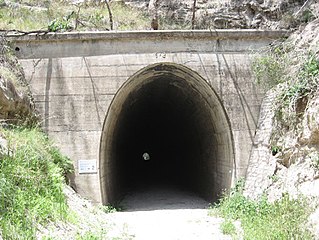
x=193 y=17
x=110 y=14
x=153 y=8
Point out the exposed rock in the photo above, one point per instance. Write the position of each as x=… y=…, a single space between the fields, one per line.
x=12 y=102
x=307 y=37
x=298 y=179
x=296 y=170
x=310 y=124
x=16 y=104
x=297 y=146
x=214 y=14
x=266 y=14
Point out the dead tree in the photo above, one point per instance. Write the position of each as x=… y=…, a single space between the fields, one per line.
x=193 y=17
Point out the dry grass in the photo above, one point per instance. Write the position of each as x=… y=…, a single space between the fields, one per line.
x=75 y=17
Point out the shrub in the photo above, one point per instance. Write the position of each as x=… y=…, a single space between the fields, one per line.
x=269 y=67
x=61 y=24
x=275 y=149
x=294 y=95
x=109 y=209
x=228 y=227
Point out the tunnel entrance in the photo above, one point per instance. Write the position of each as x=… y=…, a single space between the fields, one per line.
x=166 y=126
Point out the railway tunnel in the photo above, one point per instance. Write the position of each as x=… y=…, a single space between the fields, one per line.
x=166 y=126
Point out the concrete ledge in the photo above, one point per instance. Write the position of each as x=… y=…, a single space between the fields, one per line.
x=83 y=44
x=160 y=35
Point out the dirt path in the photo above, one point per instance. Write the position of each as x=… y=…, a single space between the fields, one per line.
x=163 y=213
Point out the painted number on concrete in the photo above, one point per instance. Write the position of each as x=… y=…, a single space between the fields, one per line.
x=87 y=166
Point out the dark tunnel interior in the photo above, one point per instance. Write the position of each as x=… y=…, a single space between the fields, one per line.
x=180 y=123
x=165 y=118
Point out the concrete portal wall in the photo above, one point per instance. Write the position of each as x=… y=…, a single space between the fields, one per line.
x=75 y=76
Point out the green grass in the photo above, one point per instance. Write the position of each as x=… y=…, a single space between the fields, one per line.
x=109 y=209
x=22 y=19
x=92 y=236
x=284 y=219
x=31 y=183
x=228 y=227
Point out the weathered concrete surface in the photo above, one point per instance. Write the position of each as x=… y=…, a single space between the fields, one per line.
x=75 y=77
x=262 y=164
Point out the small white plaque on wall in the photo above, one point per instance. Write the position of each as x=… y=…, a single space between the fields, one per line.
x=87 y=166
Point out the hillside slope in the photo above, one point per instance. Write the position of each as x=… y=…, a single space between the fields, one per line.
x=214 y=14
x=285 y=157
x=83 y=15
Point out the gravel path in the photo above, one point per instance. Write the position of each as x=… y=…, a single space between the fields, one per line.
x=150 y=214
x=163 y=213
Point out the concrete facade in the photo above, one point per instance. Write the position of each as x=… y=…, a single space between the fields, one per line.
x=81 y=83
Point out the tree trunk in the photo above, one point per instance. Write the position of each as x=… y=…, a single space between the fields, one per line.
x=153 y=8
x=193 y=17
x=110 y=14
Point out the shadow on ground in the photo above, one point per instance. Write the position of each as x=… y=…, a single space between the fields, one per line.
x=161 y=197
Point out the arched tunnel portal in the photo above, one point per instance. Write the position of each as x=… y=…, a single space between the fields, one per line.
x=171 y=113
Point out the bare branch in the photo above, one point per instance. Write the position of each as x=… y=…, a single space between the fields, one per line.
x=21 y=33
x=302 y=7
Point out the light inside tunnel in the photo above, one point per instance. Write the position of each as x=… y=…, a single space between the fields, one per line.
x=166 y=126
x=146 y=156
